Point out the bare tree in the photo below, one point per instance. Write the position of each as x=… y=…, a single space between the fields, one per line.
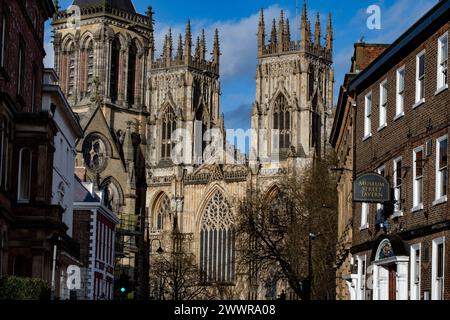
x=275 y=231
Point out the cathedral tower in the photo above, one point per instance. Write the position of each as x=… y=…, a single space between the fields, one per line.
x=103 y=51
x=294 y=95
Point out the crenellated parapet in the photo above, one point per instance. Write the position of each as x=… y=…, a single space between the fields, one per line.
x=184 y=56
x=280 y=41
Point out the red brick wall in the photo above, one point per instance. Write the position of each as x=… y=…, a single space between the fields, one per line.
x=20 y=27
x=81 y=233
x=428 y=121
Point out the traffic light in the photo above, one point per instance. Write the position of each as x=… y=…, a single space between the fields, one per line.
x=123 y=287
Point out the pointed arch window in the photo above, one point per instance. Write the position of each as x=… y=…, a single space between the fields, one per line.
x=114 y=77
x=131 y=82
x=168 y=126
x=71 y=72
x=24 y=176
x=282 y=122
x=217 y=241
x=312 y=73
x=163 y=212
x=89 y=67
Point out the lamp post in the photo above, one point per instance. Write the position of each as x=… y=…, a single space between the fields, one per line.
x=311 y=237
x=158 y=251
x=55 y=240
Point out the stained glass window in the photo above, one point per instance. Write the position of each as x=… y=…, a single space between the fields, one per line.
x=217 y=241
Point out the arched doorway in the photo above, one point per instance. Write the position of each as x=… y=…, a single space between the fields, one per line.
x=390 y=270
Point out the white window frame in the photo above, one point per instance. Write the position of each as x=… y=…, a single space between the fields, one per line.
x=442 y=83
x=362 y=271
x=398 y=212
x=383 y=105
x=400 y=95
x=415 y=286
x=435 y=294
x=420 y=80
x=440 y=197
x=19 y=176
x=380 y=171
x=364 y=216
x=368 y=111
x=416 y=180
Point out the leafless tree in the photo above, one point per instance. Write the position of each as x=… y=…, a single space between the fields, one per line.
x=275 y=231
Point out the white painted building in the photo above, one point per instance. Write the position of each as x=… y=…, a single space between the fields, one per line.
x=69 y=130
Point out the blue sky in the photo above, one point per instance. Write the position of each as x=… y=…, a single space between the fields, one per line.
x=237 y=21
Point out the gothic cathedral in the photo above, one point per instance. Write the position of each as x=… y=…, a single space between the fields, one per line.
x=131 y=103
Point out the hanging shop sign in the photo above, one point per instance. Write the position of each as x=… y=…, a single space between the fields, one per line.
x=371 y=188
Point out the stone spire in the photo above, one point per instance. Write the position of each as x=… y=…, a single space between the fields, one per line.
x=261 y=33
x=329 y=36
x=150 y=14
x=180 y=48
x=308 y=32
x=188 y=43
x=168 y=48
x=273 y=37
x=304 y=26
x=203 y=46
x=317 y=31
x=197 y=49
x=216 y=49
x=281 y=32
x=287 y=36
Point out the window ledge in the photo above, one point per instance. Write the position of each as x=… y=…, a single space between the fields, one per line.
x=367 y=137
x=382 y=127
x=397 y=214
x=417 y=208
x=364 y=227
x=439 y=201
x=441 y=89
x=400 y=115
x=419 y=103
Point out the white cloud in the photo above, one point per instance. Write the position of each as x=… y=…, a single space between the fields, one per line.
x=238 y=41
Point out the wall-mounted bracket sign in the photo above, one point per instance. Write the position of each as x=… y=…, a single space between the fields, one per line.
x=371 y=188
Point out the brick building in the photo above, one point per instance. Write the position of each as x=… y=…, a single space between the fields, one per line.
x=400 y=249
x=96 y=246
x=341 y=139
x=28 y=219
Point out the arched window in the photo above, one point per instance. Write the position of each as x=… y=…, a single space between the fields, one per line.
x=24 y=178
x=201 y=127
x=111 y=196
x=131 y=82
x=163 y=212
x=278 y=206
x=114 y=79
x=311 y=75
x=282 y=122
x=217 y=241
x=71 y=71
x=89 y=67
x=169 y=125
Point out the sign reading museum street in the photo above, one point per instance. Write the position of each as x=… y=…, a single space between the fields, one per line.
x=371 y=188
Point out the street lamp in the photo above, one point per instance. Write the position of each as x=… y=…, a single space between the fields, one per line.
x=311 y=237
x=158 y=251
x=55 y=240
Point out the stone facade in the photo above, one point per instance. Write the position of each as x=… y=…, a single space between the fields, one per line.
x=342 y=141
x=129 y=141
